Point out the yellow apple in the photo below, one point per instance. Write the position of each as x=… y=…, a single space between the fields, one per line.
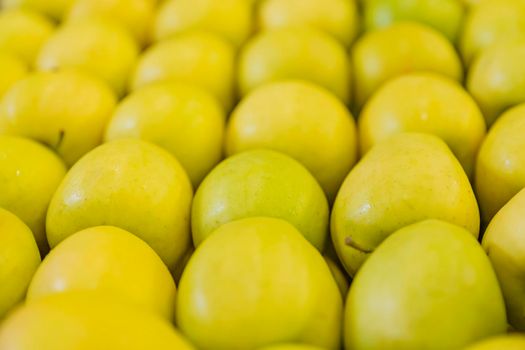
x=427 y=286
x=30 y=174
x=134 y=15
x=491 y=22
x=20 y=258
x=260 y=183
x=295 y=53
x=11 y=71
x=197 y=58
x=185 y=120
x=97 y=46
x=424 y=102
x=502 y=342
x=399 y=49
x=402 y=180
x=131 y=184
x=87 y=321
x=22 y=34
x=302 y=120
x=111 y=261
x=230 y=19
x=495 y=78
x=338 y=18
x=500 y=167
x=66 y=110
x=257 y=282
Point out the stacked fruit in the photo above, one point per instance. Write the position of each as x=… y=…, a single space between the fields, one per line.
x=186 y=174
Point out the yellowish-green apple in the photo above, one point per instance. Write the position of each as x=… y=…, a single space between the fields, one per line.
x=495 y=78
x=97 y=46
x=491 y=22
x=302 y=120
x=87 y=321
x=30 y=174
x=446 y=16
x=405 y=179
x=52 y=8
x=257 y=282
x=199 y=58
x=130 y=184
x=22 y=34
x=502 y=342
x=500 y=167
x=20 y=258
x=424 y=102
x=12 y=70
x=183 y=119
x=291 y=346
x=338 y=18
x=504 y=244
x=401 y=48
x=260 y=183
x=135 y=15
x=230 y=19
x=427 y=286
x=295 y=53
x=121 y=266
x=66 y=110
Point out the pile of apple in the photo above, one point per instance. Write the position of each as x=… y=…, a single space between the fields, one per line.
x=262 y=174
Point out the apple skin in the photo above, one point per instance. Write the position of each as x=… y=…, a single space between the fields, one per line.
x=295 y=53
x=491 y=22
x=423 y=288
x=20 y=259
x=500 y=167
x=495 y=78
x=11 y=71
x=66 y=110
x=446 y=16
x=424 y=102
x=503 y=242
x=399 y=49
x=260 y=182
x=408 y=178
x=260 y=279
x=502 y=342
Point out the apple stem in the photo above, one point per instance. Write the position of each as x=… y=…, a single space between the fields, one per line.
x=350 y=242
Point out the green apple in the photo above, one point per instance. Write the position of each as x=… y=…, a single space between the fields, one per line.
x=302 y=120
x=289 y=346
x=500 y=167
x=66 y=110
x=338 y=18
x=134 y=15
x=399 y=49
x=405 y=179
x=95 y=45
x=11 y=71
x=260 y=183
x=503 y=241
x=424 y=102
x=257 y=282
x=125 y=268
x=502 y=342
x=30 y=174
x=427 y=286
x=295 y=53
x=495 y=78
x=20 y=258
x=131 y=184
x=230 y=19
x=491 y=22
x=199 y=58
x=339 y=275
x=183 y=119
x=84 y=321
x=22 y=34
x=445 y=16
